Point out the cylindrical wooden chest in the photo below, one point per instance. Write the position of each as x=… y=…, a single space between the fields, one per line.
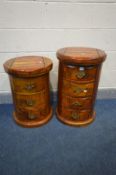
x=29 y=80
x=79 y=73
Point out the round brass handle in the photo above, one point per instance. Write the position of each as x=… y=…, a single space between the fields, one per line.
x=31 y=116
x=30 y=102
x=30 y=86
x=81 y=74
x=77 y=103
x=78 y=90
x=75 y=116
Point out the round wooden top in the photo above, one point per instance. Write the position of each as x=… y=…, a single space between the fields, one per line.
x=28 y=66
x=81 y=55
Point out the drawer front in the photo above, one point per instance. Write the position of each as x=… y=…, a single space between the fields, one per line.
x=77 y=90
x=80 y=73
x=76 y=103
x=30 y=102
x=27 y=115
x=76 y=115
x=28 y=85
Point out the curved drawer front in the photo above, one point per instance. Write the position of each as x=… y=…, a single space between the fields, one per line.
x=76 y=103
x=80 y=73
x=77 y=90
x=28 y=85
x=30 y=102
x=76 y=115
x=29 y=114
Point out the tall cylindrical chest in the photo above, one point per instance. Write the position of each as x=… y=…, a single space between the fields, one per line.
x=29 y=80
x=79 y=73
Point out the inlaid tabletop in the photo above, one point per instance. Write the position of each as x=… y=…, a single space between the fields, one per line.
x=81 y=55
x=28 y=65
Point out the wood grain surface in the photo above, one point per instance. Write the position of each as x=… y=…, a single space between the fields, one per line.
x=29 y=80
x=79 y=74
x=28 y=66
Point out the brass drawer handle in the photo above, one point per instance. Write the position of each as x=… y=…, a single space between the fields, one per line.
x=79 y=90
x=30 y=87
x=77 y=103
x=30 y=102
x=81 y=74
x=75 y=116
x=31 y=116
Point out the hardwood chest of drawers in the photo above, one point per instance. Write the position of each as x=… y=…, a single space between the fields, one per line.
x=79 y=73
x=29 y=80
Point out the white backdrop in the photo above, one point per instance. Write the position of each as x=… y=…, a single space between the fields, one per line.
x=41 y=27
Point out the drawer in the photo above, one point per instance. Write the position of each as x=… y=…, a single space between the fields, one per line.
x=80 y=73
x=40 y=114
x=30 y=102
x=76 y=103
x=77 y=90
x=28 y=85
x=76 y=115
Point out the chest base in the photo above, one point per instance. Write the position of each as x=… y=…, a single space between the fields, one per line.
x=75 y=123
x=32 y=123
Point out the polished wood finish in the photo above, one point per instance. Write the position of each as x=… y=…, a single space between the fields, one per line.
x=73 y=73
x=29 y=79
x=79 y=73
x=76 y=103
x=31 y=85
x=28 y=66
x=77 y=89
x=81 y=55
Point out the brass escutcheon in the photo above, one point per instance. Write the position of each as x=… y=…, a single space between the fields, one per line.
x=31 y=116
x=30 y=102
x=30 y=86
x=78 y=90
x=77 y=103
x=75 y=116
x=81 y=74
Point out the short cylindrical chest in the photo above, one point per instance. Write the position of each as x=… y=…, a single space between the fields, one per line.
x=79 y=73
x=29 y=80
